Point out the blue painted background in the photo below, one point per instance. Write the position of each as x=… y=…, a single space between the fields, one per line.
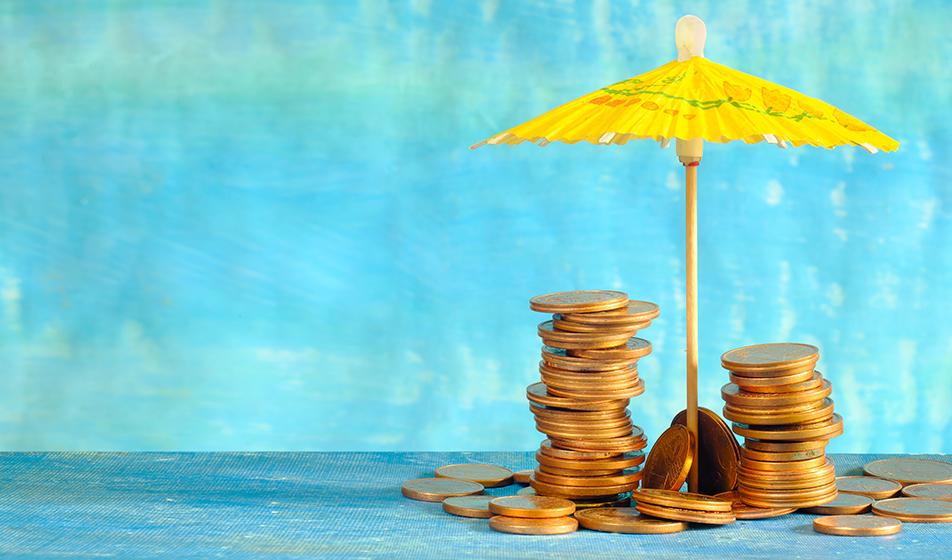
x=239 y=225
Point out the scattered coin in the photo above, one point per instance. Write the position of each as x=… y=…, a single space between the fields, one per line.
x=694 y=516
x=531 y=506
x=871 y=486
x=718 y=452
x=857 y=525
x=522 y=477
x=844 y=504
x=532 y=526
x=490 y=476
x=929 y=490
x=922 y=510
x=469 y=506
x=438 y=489
x=910 y=470
x=626 y=520
x=669 y=460
x=579 y=301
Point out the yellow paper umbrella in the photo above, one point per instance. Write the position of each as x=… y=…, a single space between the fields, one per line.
x=692 y=100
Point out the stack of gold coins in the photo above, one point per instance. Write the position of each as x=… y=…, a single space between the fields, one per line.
x=781 y=405
x=589 y=374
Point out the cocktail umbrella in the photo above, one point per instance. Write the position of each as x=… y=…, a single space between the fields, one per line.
x=693 y=100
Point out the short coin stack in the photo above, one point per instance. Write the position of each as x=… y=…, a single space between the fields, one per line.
x=589 y=373
x=532 y=515
x=684 y=506
x=781 y=405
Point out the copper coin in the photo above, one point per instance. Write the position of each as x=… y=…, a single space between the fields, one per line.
x=781 y=456
x=522 y=477
x=783 y=446
x=488 y=475
x=626 y=520
x=555 y=414
x=560 y=358
x=618 y=500
x=776 y=409
x=562 y=491
x=733 y=395
x=718 y=451
x=578 y=473
x=875 y=488
x=819 y=414
x=533 y=526
x=537 y=393
x=682 y=500
x=546 y=448
x=910 y=470
x=768 y=356
x=857 y=525
x=621 y=382
x=921 y=510
x=621 y=462
x=620 y=445
x=693 y=516
x=554 y=375
x=793 y=432
x=579 y=301
x=630 y=478
x=531 y=506
x=815 y=381
x=566 y=325
x=929 y=490
x=438 y=489
x=554 y=431
x=570 y=421
x=800 y=367
x=624 y=393
x=844 y=504
x=788 y=485
x=785 y=466
x=634 y=348
x=636 y=312
x=669 y=460
x=527 y=491
x=744 y=511
x=468 y=506
x=791 y=379
x=548 y=332
x=793 y=500
x=784 y=494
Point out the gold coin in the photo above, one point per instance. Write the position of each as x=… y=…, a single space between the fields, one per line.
x=670 y=459
x=546 y=448
x=531 y=506
x=620 y=462
x=629 y=477
x=875 y=488
x=626 y=520
x=910 y=470
x=681 y=500
x=857 y=525
x=522 y=477
x=438 y=489
x=844 y=504
x=781 y=456
x=718 y=452
x=793 y=432
x=577 y=473
x=746 y=383
x=815 y=381
x=768 y=356
x=744 y=511
x=929 y=490
x=634 y=348
x=532 y=526
x=488 y=475
x=538 y=394
x=637 y=312
x=563 y=491
x=560 y=358
x=579 y=301
x=734 y=396
x=624 y=393
x=916 y=510
x=783 y=446
x=820 y=414
x=694 y=516
x=570 y=326
x=801 y=465
x=468 y=506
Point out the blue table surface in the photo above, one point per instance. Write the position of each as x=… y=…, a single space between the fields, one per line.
x=345 y=505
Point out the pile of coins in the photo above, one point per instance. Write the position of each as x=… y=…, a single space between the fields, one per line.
x=781 y=406
x=589 y=374
x=684 y=506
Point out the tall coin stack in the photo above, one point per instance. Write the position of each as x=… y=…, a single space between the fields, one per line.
x=589 y=374
x=781 y=406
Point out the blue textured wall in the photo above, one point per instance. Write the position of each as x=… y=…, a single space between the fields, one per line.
x=246 y=225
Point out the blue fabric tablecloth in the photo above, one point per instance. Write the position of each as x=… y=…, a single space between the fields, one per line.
x=346 y=505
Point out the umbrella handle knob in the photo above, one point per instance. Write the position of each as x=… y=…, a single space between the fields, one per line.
x=690 y=34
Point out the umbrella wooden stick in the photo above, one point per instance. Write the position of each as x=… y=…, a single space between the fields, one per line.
x=690 y=35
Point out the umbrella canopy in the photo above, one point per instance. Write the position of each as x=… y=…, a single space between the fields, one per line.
x=698 y=98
